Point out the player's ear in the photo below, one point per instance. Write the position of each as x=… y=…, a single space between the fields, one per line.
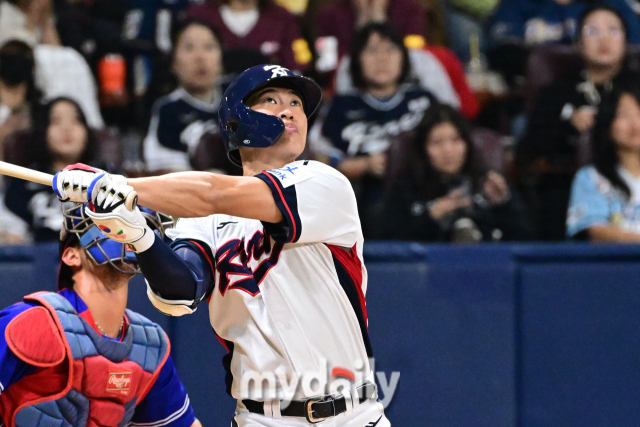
x=71 y=257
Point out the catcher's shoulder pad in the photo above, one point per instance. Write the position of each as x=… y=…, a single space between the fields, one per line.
x=34 y=338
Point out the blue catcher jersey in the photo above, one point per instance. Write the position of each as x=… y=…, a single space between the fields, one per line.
x=358 y=123
x=166 y=404
x=178 y=122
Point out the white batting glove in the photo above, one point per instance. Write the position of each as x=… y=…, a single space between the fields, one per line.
x=72 y=183
x=109 y=213
x=80 y=183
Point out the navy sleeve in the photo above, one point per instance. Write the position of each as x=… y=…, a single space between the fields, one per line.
x=166 y=404
x=176 y=272
x=287 y=231
x=12 y=368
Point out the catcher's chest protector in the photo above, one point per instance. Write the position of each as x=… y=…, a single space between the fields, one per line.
x=84 y=379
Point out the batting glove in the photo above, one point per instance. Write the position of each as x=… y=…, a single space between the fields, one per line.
x=72 y=183
x=80 y=183
x=117 y=222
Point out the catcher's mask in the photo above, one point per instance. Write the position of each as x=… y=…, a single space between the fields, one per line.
x=79 y=228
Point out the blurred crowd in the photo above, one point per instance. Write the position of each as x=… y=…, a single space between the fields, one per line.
x=455 y=120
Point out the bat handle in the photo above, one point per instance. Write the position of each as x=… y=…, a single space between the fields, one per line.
x=131 y=201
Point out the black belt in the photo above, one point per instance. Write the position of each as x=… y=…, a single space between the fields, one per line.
x=318 y=408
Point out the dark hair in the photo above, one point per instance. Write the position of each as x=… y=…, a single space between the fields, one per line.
x=605 y=153
x=43 y=156
x=360 y=41
x=164 y=81
x=17 y=66
x=427 y=180
x=598 y=7
x=183 y=25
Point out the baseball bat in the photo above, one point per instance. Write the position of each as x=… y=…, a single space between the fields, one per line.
x=47 y=179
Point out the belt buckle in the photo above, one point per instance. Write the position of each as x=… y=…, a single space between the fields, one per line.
x=309 y=411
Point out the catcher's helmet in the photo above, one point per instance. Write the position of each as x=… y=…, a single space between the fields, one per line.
x=78 y=227
x=243 y=127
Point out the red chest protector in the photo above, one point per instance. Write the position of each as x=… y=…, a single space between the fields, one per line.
x=83 y=379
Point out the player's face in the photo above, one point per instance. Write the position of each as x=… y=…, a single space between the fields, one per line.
x=76 y=257
x=603 y=40
x=625 y=128
x=198 y=59
x=445 y=149
x=381 y=62
x=287 y=105
x=66 y=134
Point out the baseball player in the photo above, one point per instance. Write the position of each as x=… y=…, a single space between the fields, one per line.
x=78 y=358
x=276 y=253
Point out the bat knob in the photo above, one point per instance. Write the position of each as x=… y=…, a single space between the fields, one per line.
x=132 y=201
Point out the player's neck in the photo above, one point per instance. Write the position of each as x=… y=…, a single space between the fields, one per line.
x=257 y=160
x=106 y=301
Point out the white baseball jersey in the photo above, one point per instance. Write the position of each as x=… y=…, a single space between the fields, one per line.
x=289 y=298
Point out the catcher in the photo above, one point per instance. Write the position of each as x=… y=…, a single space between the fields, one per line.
x=78 y=357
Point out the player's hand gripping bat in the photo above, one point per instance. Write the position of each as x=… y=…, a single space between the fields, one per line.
x=47 y=179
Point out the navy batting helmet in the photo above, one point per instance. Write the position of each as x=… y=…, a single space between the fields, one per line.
x=78 y=227
x=243 y=127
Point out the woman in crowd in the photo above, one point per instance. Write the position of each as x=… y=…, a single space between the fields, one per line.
x=447 y=194
x=180 y=119
x=605 y=196
x=259 y=25
x=556 y=141
x=517 y=26
x=354 y=131
x=60 y=137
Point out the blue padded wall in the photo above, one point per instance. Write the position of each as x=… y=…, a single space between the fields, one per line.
x=491 y=335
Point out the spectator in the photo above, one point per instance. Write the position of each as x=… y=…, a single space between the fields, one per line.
x=605 y=196
x=535 y=22
x=18 y=92
x=447 y=193
x=519 y=25
x=424 y=69
x=180 y=119
x=556 y=141
x=259 y=25
x=435 y=68
x=62 y=71
x=61 y=137
x=32 y=20
x=337 y=23
x=467 y=18
x=93 y=28
x=147 y=40
x=354 y=131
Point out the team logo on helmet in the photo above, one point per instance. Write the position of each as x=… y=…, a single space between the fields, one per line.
x=277 y=71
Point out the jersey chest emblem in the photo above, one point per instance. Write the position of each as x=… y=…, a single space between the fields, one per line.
x=245 y=269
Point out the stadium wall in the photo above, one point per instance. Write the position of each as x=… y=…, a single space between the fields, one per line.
x=492 y=335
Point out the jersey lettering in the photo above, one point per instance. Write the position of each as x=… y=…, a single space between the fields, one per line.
x=290 y=175
x=245 y=270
